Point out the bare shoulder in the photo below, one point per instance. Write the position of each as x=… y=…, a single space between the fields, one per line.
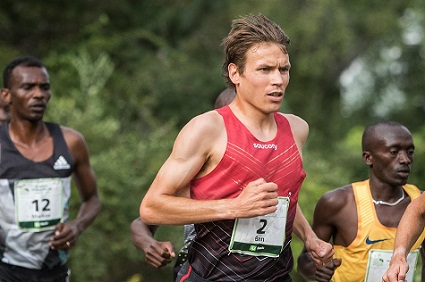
x=296 y=121
x=209 y=124
x=75 y=142
x=71 y=135
x=336 y=199
x=200 y=144
x=299 y=128
x=207 y=120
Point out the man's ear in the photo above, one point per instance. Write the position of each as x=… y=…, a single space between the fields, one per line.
x=367 y=158
x=233 y=73
x=5 y=95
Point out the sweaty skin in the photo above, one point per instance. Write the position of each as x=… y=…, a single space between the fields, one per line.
x=388 y=152
x=260 y=79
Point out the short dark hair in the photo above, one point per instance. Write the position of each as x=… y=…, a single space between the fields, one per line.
x=370 y=132
x=246 y=32
x=25 y=61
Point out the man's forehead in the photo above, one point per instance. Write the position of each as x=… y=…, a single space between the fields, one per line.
x=29 y=74
x=267 y=53
x=393 y=135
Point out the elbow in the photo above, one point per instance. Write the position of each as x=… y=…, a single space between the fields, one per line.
x=93 y=204
x=97 y=205
x=134 y=230
x=147 y=214
x=134 y=226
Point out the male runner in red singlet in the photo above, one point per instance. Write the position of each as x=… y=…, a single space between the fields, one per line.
x=236 y=172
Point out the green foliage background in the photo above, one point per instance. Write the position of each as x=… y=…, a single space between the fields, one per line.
x=129 y=74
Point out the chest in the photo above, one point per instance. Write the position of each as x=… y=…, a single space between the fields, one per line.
x=36 y=152
x=390 y=216
x=355 y=224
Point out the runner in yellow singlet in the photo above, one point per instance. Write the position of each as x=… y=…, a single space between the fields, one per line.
x=361 y=218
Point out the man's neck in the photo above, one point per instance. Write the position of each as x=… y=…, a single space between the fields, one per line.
x=261 y=125
x=28 y=133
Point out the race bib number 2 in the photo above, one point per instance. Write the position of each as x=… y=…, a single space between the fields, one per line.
x=39 y=203
x=261 y=235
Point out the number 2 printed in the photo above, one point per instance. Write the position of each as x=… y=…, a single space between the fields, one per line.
x=261 y=229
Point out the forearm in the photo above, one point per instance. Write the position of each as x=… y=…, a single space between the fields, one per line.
x=301 y=226
x=409 y=229
x=319 y=251
x=173 y=210
x=142 y=234
x=305 y=267
x=87 y=213
x=167 y=204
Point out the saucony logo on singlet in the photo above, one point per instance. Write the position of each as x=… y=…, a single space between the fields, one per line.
x=61 y=163
x=371 y=242
x=265 y=146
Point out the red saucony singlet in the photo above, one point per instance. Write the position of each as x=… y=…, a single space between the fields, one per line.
x=246 y=159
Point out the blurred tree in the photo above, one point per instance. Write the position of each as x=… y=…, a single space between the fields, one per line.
x=129 y=74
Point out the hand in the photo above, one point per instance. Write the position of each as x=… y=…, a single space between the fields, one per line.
x=257 y=198
x=159 y=254
x=320 y=251
x=66 y=235
x=325 y=273
x=397 y=270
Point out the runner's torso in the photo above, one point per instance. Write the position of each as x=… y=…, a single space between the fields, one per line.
x=246 y=159
x=34 y=196
x=371 y=234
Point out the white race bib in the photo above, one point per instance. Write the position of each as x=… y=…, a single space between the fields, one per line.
x=379 y=262
x=261 y=235
x=38 y=203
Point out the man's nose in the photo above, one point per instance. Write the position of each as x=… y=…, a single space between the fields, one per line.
x=404 y=157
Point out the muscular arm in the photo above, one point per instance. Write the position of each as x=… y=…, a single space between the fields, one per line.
x=325 y=216
x=197 y=149
x=157 y=253
x=319 y=251
x=85 y=181
x=410 y=227
x=142 y=234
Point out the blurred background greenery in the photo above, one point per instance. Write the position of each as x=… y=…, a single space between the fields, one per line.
x=129 y=74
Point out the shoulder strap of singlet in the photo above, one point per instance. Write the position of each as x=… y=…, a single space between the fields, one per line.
x=412 y=191
x=362 y=196
x=60 y=146
x=224 y=111
x=54 y=129
x=3 y=128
